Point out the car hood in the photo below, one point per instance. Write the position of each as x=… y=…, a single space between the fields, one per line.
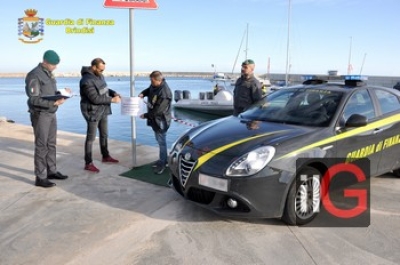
x=235 y=136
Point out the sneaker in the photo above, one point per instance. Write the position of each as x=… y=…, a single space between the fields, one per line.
x=159 y=169
x=109 y=159
x=90 y=167
x=156 y=164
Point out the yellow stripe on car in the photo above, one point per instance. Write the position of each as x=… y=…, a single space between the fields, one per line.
x=204 y=158
x=368 y=127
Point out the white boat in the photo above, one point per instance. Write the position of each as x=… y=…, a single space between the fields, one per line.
x=220 y=77
x=218 y=102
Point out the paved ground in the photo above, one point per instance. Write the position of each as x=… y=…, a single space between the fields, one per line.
x=107 y=219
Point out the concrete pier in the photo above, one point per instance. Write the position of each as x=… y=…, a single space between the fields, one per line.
x=107 y=219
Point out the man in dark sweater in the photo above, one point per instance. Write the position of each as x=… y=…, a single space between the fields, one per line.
x=158 y=114
x=96 y=99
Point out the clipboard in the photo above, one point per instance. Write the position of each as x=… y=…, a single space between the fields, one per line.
x=55 y=97
x=62 y=93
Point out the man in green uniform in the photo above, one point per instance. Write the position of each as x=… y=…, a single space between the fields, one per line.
x=39 y=84
x=247 y=88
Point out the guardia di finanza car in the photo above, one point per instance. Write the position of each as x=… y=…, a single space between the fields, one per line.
x=245 y=166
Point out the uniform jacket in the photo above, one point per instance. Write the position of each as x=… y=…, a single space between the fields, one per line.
x=95 y=95
x=246 y=92
x=38 y=83
x=158 y=107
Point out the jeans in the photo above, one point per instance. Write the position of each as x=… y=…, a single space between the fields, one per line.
x=92 y=127
x=161 y=138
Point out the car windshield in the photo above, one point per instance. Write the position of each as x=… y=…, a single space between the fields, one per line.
x=300 y=106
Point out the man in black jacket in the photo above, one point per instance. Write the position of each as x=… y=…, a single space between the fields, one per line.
x=96 y=99
x=247 y=89
x=158 y=114
x=39 y=83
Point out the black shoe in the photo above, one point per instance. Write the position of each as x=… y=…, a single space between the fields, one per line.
x=159 y=169
x=45 y=183
x=57 y=175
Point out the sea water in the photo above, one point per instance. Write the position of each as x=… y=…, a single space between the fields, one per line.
x=13 y=106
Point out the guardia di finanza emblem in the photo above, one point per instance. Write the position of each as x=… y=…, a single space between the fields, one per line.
x=31 y=27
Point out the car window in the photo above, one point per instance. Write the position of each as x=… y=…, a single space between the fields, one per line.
x=300 y=106
x=388 y=101
x=359 y=103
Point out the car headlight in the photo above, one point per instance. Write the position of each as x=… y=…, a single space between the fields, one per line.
x=177 y=145
x=251 y=163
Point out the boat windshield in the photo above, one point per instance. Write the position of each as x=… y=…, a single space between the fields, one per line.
x=299 y=106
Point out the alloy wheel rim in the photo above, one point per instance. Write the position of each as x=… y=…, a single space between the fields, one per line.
x=307 y=199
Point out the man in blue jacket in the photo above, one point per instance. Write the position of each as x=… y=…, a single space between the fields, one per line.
x=158 y=114
x=39 y=83
x=96 y=99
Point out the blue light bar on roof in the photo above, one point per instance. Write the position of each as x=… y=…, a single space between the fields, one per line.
x=308 y=77
x=355 y=77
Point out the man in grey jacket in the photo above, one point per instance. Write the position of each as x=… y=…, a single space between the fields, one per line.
x=40 y=83
x=96 y=99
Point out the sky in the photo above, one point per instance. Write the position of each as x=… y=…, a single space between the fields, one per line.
x=310 y=37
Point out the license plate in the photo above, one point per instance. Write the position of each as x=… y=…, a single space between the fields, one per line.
x=214 y=183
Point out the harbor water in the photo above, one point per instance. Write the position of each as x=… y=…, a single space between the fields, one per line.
x=13 y=106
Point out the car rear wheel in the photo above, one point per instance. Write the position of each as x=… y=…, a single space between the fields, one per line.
x=302 y=203
x=396 y=172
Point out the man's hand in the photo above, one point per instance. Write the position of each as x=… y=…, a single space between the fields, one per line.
x=116 y=99
x=59 y=102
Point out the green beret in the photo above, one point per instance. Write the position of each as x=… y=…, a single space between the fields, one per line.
x=248 y=61
x=51 y=57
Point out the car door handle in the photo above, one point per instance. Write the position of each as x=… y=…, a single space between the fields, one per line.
x=377 y=130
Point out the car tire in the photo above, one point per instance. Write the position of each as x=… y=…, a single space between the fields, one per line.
x=303 y=198
x=396 y=172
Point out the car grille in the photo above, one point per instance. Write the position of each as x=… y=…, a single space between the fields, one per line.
x=185 y=169
x=201 y=196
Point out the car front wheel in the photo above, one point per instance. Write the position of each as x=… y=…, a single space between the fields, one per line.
x=396 y=172
x=302 y=203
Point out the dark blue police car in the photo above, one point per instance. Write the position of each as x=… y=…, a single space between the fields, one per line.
x=245 y=166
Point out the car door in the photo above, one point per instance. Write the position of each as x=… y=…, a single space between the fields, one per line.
x=355 y=143
x=389 y=131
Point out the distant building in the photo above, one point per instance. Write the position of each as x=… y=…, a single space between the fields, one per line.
x=333 y=72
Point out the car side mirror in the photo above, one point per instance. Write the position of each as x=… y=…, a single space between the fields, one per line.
x=356 y=120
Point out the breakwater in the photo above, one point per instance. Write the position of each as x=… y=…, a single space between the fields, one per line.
x=387 y=81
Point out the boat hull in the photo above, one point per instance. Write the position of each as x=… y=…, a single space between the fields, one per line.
x=220 y=104
x=205 y=106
